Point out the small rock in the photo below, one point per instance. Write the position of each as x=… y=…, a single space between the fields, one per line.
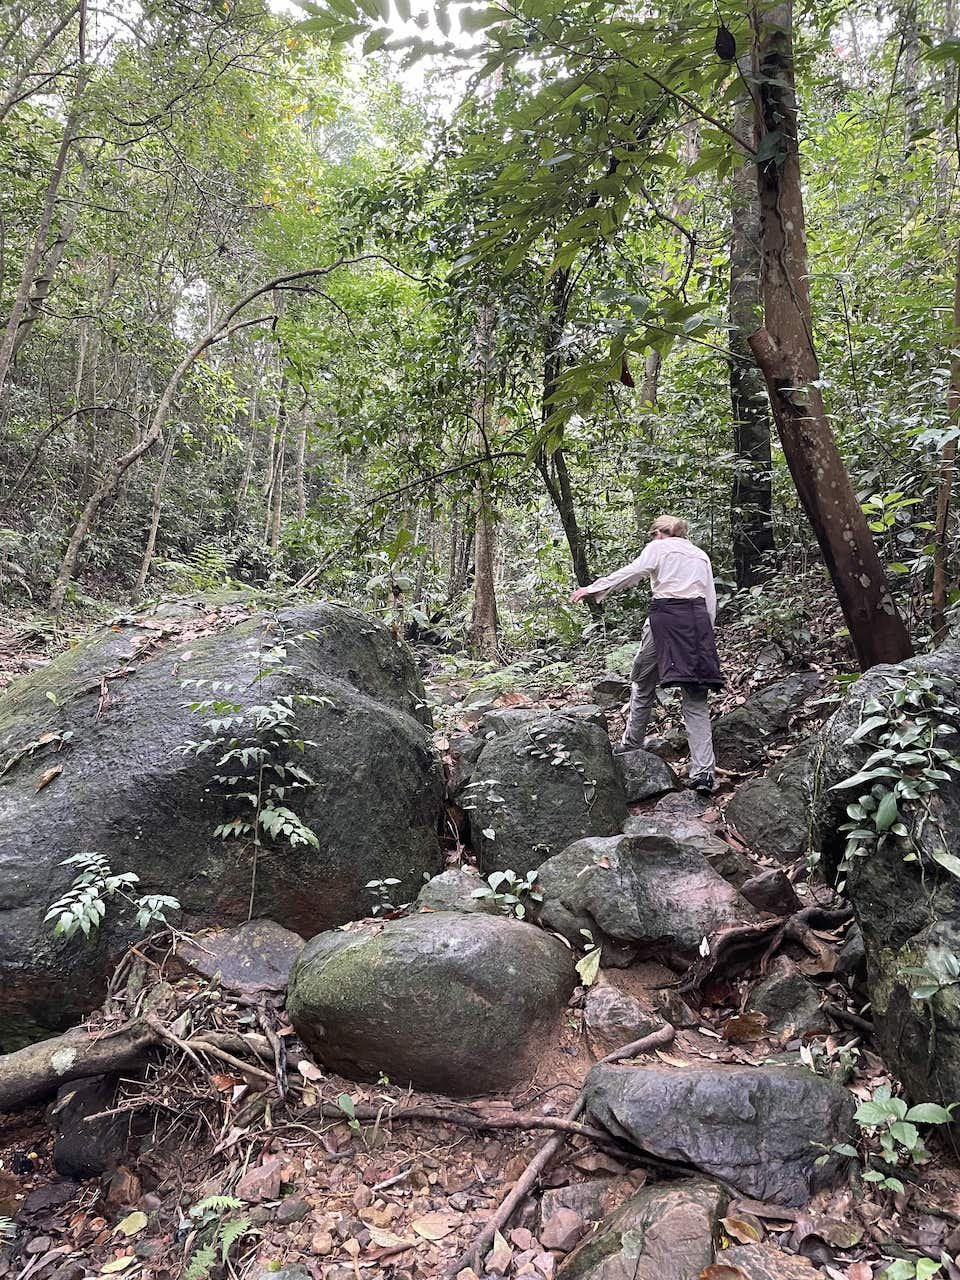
x=591 y=1200
x=72 y=1270
x=790 y=1002
x=124 y=1187
x=260 y=1215
x=521 y=1238
x=292 y=1210
x=262 y=1182
x=453 y=890
x=147 y=1249
x=499 y=1259
x=251 y=958
x=296 y=1272
x=322 y=1243
x=50 y=1196
x=674 y=1009
x=362 y=1197
x=664 y=1232
x=852 y=959
x=39 y=1244
x=611 y=690
x=613 y=1018
x=85 y=1148
x=546 y=1264
x=644 y=775
x=562 y=1230
x=771 y=891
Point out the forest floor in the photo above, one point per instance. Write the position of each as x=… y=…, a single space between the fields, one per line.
x=335 y=1181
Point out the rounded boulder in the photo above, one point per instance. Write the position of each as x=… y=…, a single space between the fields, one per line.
x=454 y=1003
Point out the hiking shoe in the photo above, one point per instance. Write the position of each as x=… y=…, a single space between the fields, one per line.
x=703 y=783
x=623 y=748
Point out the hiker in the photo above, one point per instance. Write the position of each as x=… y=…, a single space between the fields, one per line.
x=677 y=646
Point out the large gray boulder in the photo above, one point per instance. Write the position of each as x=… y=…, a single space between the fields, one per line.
x=759 y=1128
x=665 y=1232
x=653 y=891
x=644 y=775
x=460 y=1004
x=772 y=813
x=117 y=707
x=908 y=910
x=540 y=782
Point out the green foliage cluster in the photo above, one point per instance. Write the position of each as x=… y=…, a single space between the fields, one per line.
x=83 y=907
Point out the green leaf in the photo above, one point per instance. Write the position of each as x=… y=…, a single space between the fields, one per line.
x=906 y=1134
x=346 y=1105
x=949 y=861
x=887 y=814
x=928 y=1113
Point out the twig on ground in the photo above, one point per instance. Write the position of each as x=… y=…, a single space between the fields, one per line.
x=522 y=1187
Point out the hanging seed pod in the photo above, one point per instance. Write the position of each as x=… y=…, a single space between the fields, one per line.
x=725 y=45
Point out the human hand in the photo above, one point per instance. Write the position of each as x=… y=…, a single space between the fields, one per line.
x=580 y=594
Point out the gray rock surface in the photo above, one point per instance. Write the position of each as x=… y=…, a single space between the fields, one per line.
x=611 y=690
x=651 y=891
x=129 y=791
x=908 y=912
x=756 y=1127
x=771 y=891
x=665 y=1232
x=255 y=956
x=772 y=813
x=592 y=1199
x=644 y=775
x=743 y=737
x=540 y=783
x=453 y=890
x=613 y=1018
x=789 y=1001
x=766 y=1262
x=457 y=1003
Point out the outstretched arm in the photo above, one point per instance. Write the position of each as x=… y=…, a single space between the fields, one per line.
x=628 y=576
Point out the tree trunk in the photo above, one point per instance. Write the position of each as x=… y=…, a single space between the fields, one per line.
x=29 y=271
x=948 y=472
x=910 y=34
x=751 y=500
x=301 y=462
x=785 y=353
x=156 y=508
x=484 y=623
x=15 y=88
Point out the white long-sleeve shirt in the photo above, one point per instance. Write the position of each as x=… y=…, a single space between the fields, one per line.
x=676 y=568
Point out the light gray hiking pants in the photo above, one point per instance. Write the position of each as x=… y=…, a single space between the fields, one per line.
x=696 y=717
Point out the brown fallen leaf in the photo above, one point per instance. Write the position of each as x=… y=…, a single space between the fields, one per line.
x=386 y=1239
x=745 y=1027
x=720 y=1271
x=860 y=1271
x=308 y=1070
x=434 y=1226
x=48 y=775
x=670 y=1061
x=744 y=1228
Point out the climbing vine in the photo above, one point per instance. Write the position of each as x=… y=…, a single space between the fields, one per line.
x=906 y=729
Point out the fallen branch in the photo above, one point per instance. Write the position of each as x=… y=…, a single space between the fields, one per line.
x=851 y=1019
x=37 y=1071
x=544 y=1157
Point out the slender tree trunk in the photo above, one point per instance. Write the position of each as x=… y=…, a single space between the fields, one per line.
x=275 y=508
x=301 y=461
x=948 y=475
x=484 y=621
x=785 y=352
x=15 y=89
x=910 y=29
x=751 y=499
x=155 y=511
x=29 y=271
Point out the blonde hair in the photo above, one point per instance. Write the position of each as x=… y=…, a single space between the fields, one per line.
x=672 y=526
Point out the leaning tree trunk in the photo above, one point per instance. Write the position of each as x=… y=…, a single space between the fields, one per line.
x=948 y=475
x=751 y=499
x=785 y=353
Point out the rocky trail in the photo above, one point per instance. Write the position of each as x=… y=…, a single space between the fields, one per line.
x=636 y=1051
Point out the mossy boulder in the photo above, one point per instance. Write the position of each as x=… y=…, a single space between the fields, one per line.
x=906 y=904
x=94 y=753
x=540 y=782
x=457 y=1003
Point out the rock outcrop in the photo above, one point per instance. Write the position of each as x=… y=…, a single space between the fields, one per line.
x=759 y=1128
x=93 y=749
x=654 y=892
x=906 y=902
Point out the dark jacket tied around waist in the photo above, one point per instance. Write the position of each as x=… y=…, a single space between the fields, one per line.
x=685 y=644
